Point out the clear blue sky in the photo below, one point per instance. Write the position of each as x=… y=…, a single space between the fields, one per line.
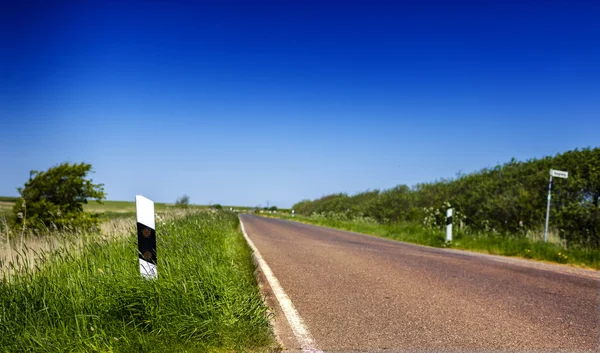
x=244 y=102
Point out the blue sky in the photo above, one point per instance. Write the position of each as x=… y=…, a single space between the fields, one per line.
x=248 y=102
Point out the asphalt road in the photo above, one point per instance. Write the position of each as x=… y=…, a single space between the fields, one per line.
x=368 y=294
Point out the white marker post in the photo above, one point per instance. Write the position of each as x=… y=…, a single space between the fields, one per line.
x=146 y=232
x=292 y=213
x=449 y=225
x=558 y=174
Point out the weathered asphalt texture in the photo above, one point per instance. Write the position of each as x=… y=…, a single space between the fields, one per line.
x=368 y=294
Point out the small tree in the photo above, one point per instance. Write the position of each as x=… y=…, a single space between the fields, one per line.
x=56 y=197
x=183 y=201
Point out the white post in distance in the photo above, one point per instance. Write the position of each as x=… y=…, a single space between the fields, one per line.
x=558 y=174
x=292 y=213
x=146 y=232
x=449 y=225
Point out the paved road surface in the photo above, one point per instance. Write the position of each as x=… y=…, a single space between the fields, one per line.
x=368 y=294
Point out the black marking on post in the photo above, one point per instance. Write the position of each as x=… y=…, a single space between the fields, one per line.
x=448 y=220
x=146 y=243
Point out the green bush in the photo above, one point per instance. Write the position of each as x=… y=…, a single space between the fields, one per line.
x=54 y=199
x=183 y=201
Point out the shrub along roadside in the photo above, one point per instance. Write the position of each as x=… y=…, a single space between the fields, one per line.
x=479 y=242
x=508 y=199
x=205 y=299
x=54 y=199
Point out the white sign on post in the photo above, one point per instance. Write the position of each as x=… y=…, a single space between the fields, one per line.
x=559 y=173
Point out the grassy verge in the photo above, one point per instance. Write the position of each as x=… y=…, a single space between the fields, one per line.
x=486 y=243
x=206 y=298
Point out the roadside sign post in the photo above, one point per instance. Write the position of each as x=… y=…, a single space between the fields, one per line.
x=146 y=234
x=449 y=225
x=558 y=174
x=292 y=213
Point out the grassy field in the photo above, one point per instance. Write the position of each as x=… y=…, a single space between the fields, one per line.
x=486 y=243
x=6 y=204
x=5 y=207
x=108 y=209
x=120 y=209
x=206 y=298
x=113 y=209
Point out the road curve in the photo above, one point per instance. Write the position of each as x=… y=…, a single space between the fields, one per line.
x=359 y=293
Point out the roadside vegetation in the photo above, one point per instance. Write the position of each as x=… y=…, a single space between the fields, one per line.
x=70 y=281
x=91 y=298
x=500 y=210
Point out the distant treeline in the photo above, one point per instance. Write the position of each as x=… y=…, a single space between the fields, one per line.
x=8 y=198
x=507 y=199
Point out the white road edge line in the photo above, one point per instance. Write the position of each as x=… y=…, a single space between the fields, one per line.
x=307 y=343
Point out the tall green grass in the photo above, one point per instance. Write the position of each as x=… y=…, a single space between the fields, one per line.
x=480 y=242
x=205 y=299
